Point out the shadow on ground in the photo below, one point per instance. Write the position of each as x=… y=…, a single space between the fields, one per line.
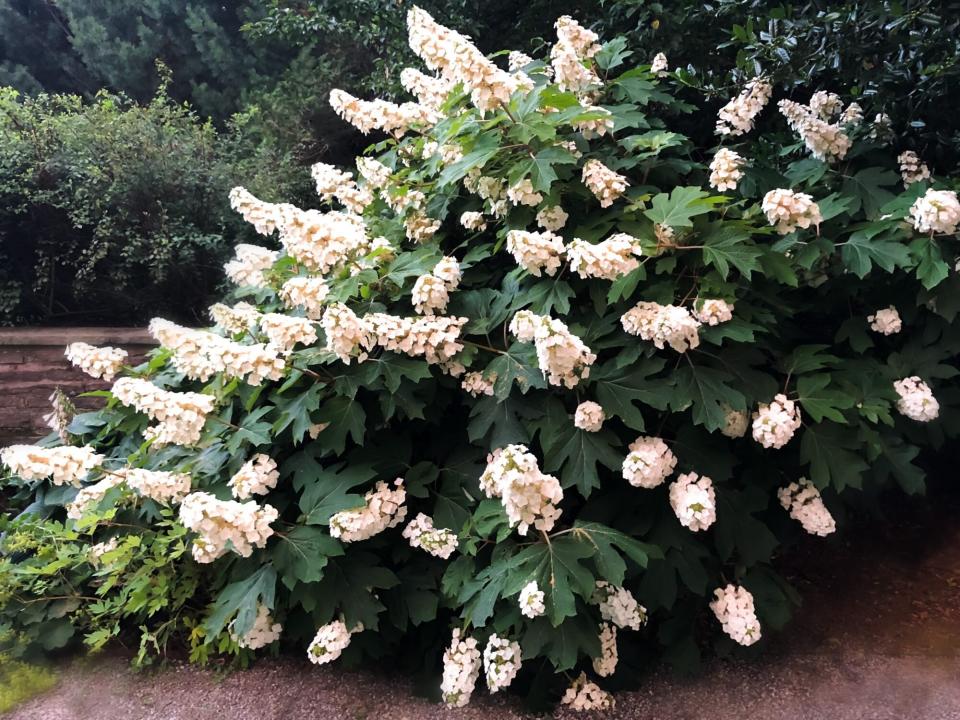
x=878 y=638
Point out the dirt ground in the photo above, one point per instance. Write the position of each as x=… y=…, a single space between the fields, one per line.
x=878 y=638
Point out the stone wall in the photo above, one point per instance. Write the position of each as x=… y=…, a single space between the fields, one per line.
x=32 y=365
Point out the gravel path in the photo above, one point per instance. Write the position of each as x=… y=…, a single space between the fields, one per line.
x=878 y=638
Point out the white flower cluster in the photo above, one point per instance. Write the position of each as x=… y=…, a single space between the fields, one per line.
x=263 y=633
x=97 y=362
x=618 y=606
x=825 y=141
x=775 y=423
x=375 y=173
x=529 y=496
x=694 y=501
x=597 y=126
x=787 y=210
x=430 y=91
x=367 y=115
x=335 y=183
x=552 y=218
x=347 y=335
x=649 y=462
x=473 y=221
x=586 y=696
x=735 y=422
x=501 y=662
x=713 y=312
x=825 y=104
x=605 y=664
x=852 y=115
x=382 y=508
x=159 y=485
x=912 y=170
x=285 y=332
x=258 y=476
x=324 y=241
x=561 y=355
x=249 y=264
x=98 y=550
x=604 y=183
x=307 y=293
x=431 y=293
x=734 y=608
x=574 y=44
x=64 y=465
x=671 y=325
x=536 y=252
x=459 y=61
x=223 y=525
x=329 y=642
x=461 y=667
x=937 y=212
x=264 y=216
x=886 y=321
x=531 y=600
x=916 y=399
x=439 y=542
x=737 y=116
x=802 y=500
x=61 y=414
x=522 y=193
x=200 y=355
x=90 y=496
x=589 y=416
x=476 y=384
x=608 y=260
x=239 y=318
x=434 y=337
x=725 y=170
x=659 y=65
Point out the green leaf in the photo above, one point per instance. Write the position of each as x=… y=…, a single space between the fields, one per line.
x=863 y=248
x=738 y=529
x=609 y=546
x=866 y=190
x=350 y=586
x=706 y=389
x=619 y=388
x=344 y=416
x=612 y=54
x=683 y=203
x=550 y=296
x=832 y=456
x=563 y=645
x=302 y=554
x=896 y=459
x=296 y=412
x=821 y=402
x=518 y=364
x=241 y=599
x=395 y=368
x=487 y=146
x=725 y=245
x=540 y=167
x=579 y=452
x=325 y=489
x=500 y=420
x=931 y=269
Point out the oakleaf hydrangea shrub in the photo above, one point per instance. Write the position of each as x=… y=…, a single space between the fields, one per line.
x=540 y=389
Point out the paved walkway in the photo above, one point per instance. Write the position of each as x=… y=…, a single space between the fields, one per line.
x=878 y=638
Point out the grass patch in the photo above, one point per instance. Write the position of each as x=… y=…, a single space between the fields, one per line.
x=20 y=681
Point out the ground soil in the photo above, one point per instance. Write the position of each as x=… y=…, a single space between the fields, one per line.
x=877 y=638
